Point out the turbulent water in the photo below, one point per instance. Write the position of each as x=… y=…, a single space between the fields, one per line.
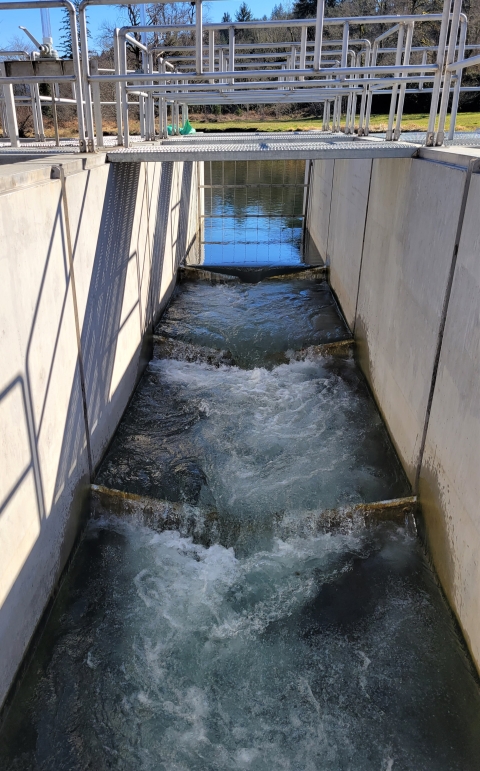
x=257 y=323
x=254 y=443
x=256 y=638
x=328 y=653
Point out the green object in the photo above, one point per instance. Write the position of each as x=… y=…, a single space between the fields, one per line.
x=187 y=129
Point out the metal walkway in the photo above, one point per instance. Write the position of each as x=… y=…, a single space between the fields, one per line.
x=262 y=148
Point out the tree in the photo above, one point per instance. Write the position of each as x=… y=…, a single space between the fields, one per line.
x=244 y=13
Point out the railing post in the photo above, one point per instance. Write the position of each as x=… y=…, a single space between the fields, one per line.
x=198 y=37
x=11 y=115
x=401 y=96
x=118 y=86
x=452 y=42
x=430 y=138
x=458 y=81
x=393 y=98
x=97 y=107
x=211 y=52
x=231 y=51
x=303 y=50
x=86 y=74
x=317 y=51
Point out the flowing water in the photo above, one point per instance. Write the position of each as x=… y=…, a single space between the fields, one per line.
x=248 y=632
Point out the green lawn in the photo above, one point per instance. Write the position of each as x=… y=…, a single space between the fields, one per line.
x=466 y=121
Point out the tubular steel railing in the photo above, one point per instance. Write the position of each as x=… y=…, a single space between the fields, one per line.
x=214 y=70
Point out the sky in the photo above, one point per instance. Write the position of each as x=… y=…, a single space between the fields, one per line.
x=10 y=20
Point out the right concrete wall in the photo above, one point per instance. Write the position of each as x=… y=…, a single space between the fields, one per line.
x=387 y=229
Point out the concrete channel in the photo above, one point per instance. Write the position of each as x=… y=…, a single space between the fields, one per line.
x=94 y=247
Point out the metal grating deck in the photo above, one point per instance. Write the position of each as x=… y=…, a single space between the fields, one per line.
x=261 y=149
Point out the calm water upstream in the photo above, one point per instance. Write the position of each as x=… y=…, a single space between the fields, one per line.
x=251 y=636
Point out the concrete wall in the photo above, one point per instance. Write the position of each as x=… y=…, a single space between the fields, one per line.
x=450 y=473
x=390 y=247
x=65 y=334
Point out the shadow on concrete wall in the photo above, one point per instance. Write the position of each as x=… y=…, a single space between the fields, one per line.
x=101 y=326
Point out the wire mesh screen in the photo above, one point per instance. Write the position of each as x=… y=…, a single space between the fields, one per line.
x=253 y=212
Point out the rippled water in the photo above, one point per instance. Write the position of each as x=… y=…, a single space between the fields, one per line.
x=324 y=653
x=257 y=323
x=254 y=443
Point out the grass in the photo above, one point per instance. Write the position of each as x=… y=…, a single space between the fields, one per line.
x=466 y=121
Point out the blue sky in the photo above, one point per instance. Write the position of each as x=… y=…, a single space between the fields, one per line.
x=10 y=20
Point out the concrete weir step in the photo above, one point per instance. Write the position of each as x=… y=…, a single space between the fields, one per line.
x=250 y=274
x=170 y=348
x=162 y=515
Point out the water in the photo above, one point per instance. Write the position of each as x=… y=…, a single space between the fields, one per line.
x=254 y=635
x=257 y=323
x=253 y=212
x=329 y=652
x=254 y=441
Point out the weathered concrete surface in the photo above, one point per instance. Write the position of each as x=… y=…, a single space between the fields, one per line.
x=410 y=228
x=450 y=476
x=126 y=248
x=350 y=189
x=408 y=248
x=319 y=205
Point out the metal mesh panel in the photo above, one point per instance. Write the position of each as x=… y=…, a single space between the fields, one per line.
x=253 y=212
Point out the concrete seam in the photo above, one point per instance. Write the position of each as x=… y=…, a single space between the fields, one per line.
x=474 y=165
x=306 y=211
x=363 y=248
x=77 y=320
x=327 y=259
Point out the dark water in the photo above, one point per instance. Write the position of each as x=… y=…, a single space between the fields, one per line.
x=251 y=637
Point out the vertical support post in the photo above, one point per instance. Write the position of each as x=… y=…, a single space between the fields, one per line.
x=393 y=98
x=86 y=74
x=118 y=85
x=97 y=107
x=430 y=139
x=363 y=101
x=401 y=96
x=424 y=61
x=317 y=51
x=326 y=116
x=124 y=100
x=11 y=115
x=458 y=81
x=303 y=50
x=231 y=51
x=141 y=115
x=457 y=7
x=77 y=69
x=211 y=52
x=368 y=110
x=198 y=37
x=150 y=105
x=37 y=108
x=55 y=118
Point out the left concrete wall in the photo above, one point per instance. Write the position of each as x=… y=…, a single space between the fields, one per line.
x=72 y=347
